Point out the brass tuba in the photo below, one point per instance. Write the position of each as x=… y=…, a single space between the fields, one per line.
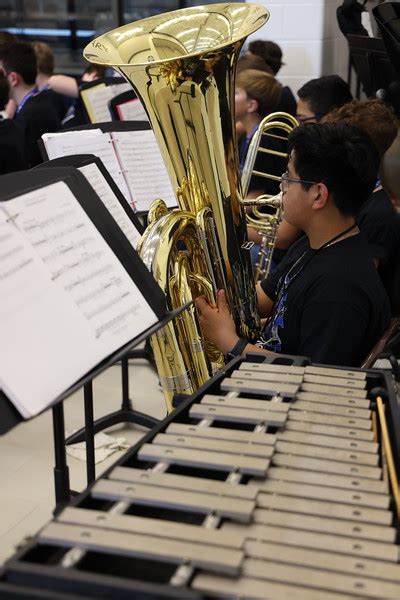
x=181 y=65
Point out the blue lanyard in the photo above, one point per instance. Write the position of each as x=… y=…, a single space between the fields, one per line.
x=26 y=98
x=244 y=146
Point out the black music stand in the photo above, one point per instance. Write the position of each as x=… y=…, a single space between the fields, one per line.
x=371 y=63
x=122 y=98
x=126 y=414
x=17 y=184
x=87 y=85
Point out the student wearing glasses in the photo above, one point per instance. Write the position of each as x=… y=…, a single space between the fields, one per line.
x=319 y=96
x=325 y=300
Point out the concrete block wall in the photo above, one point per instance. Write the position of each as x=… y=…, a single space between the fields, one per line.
x=309 y=36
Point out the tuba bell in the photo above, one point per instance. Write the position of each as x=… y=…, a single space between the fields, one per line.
x=181 y=65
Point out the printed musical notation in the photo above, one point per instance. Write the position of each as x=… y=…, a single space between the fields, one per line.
x=132 y=111
x=144 y=168
x=67 y=299
x=90 y=141
x=106 y=195
x=96 y=100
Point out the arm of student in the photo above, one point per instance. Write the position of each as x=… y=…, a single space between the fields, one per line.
x=64 y=84
x=218 y=326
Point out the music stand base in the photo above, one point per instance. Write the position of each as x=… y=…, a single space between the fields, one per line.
x=119 y=416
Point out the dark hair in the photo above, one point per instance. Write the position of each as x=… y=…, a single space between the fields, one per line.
x=373 y=116
x=4 y=90
x=262 y=87
x=253 y=61
x=325 y=93
x=21 y=58
x=44 y=58
x=341 y=156
x=269 y=51
x=94 y=68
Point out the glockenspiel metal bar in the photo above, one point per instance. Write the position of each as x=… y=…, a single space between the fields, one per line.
x=245 y=371
x=324 y=508
x=183 y=482
x=320 y=580
x=212 y=558
x=321 y=559
x=329 y=430
x=370 y=449
x=309 y=369
x=148 y=526
x=238 y=415
x=335 y=526
x=223 y=433
x=234 y=508
x=254 y=589
x=319 y=492
x=181 y=441
x=353 y=484
x=347 y=456
x=306 y=463
x=322 y=541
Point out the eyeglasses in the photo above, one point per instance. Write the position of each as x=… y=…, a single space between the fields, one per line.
x=285 y=180
x=315 y=118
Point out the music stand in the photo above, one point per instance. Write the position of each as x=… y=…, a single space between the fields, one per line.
x=126 y=414
x=23 y=183
x=118 y=100
x=371 y=63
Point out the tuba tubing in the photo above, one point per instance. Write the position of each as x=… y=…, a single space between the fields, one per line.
x=182 y=65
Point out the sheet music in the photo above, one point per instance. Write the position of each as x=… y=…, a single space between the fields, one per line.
x=132 y=111
x=96 y=100
x=67 y=302
x=143 y=168
x=88 y=141
x=111 y=202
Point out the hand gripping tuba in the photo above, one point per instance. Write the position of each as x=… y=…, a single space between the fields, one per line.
x=181 y=65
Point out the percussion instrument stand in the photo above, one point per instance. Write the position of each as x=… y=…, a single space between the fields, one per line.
x=126 y=414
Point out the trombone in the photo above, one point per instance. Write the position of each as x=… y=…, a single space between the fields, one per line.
x=278 y=126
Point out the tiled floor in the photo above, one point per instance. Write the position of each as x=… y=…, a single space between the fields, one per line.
x=27 y=452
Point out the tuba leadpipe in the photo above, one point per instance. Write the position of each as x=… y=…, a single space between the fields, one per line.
x=182 y=66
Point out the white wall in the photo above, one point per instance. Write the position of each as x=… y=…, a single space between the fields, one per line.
x=309 y=36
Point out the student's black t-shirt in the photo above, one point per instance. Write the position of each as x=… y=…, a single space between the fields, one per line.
x=332 y=307
x=13 y=156
x=378 y=224
x=37 y=116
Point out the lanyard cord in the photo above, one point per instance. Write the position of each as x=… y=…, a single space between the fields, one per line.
x=284 y=283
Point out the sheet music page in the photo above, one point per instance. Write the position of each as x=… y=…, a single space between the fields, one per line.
x=143 y=168
x=96 y=100
x=88 y=141
x=132 y=111
x=111 y=202
x=67 y=302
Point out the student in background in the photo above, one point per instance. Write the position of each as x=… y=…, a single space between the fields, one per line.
x=45 y=69
x=257 y=94
x=70 y=86
x=319 y=96
x=376 y=218
x=12 y=144
x=34 y=113
x=271 y=53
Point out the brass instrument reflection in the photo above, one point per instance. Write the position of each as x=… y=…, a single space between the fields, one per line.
x=181 y=66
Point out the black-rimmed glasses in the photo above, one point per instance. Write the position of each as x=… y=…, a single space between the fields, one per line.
x=285 y=180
